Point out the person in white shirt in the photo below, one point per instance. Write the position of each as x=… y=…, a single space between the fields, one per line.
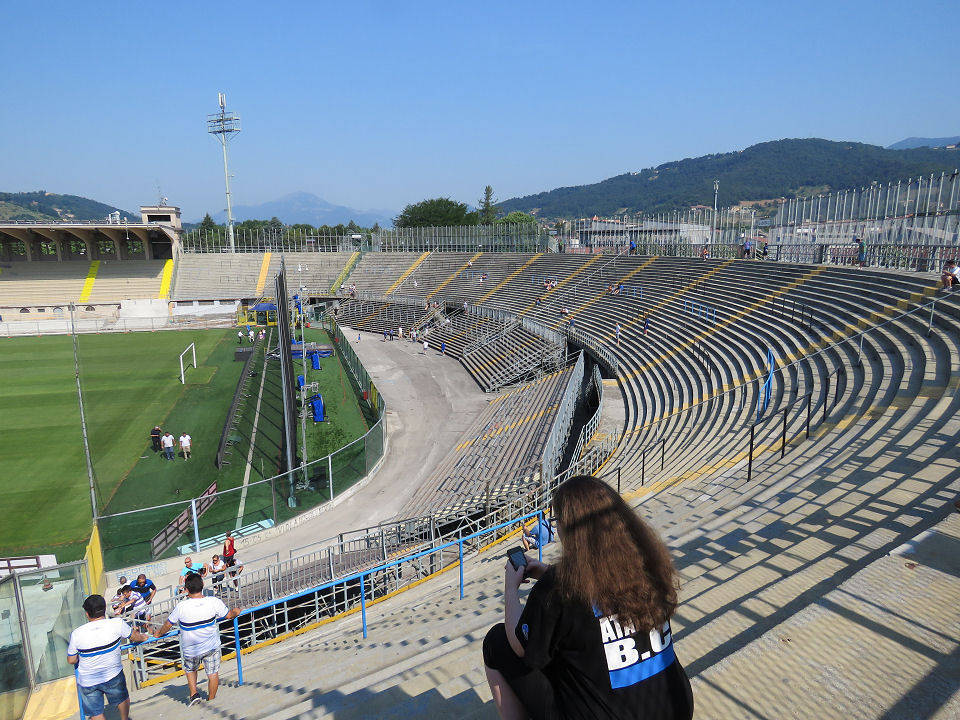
x=167 y=442
x=185 y=445
x=218 y=569
x=134 y=606
x=95 y=649
x=198 y=618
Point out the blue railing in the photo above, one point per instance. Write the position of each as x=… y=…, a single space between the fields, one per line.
x=361 y=576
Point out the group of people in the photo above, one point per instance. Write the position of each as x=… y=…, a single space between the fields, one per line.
x=218 y=569
x=615 y=288
x=96 y=647
x=251 y=334
x=165 y=442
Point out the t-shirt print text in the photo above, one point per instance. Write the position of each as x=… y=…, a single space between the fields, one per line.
x=629 y=664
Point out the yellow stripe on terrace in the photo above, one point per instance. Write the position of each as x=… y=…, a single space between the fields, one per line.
x=599 y=296
x=450 y=279
x=509 y=277
x=560 y=284
x=407 y=272
x=506 y=428
x=88 y=283
x=264 y=269
x=739 y=315
x=166 y=277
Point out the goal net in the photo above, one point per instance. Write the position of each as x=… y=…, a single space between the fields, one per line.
x=192 y=349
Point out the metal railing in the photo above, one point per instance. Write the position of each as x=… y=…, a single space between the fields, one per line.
x=556 y=441
x=422 y=550
x=593 y=424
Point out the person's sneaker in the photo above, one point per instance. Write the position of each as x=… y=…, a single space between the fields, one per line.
x=195 y=699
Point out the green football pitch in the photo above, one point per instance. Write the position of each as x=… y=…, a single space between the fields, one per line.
x=130 y=383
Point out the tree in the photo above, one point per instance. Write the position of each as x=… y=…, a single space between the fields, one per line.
x=487 y=211
x=207 y=225
x=435 y=212
x=517 y=216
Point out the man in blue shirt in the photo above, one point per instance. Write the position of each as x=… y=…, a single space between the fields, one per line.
x=145 y=587
x=191 y=567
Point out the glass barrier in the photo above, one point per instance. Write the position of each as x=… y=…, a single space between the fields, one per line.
x=14 y=683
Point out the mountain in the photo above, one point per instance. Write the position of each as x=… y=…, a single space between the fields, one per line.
x=304 y=207
x=42 y=206
x=769 y=170
x=919 y=142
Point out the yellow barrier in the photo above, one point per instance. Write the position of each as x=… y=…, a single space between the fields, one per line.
x=94 y=558
x=344 y=273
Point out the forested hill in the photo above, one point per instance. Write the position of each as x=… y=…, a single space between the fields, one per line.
x=780 y=168
x=42 y=206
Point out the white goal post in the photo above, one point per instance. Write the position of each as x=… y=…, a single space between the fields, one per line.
x=191 y=348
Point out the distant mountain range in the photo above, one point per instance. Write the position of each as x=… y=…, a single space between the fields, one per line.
x=763 y=172
x=41 y=206
x=304 y=207
x=919 y=142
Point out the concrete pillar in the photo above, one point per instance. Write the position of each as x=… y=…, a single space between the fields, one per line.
x=26 y=237
x=144 y=237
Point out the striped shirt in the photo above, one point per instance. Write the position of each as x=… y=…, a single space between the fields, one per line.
x=98 y=645
x=139 y=604
x=198 y=620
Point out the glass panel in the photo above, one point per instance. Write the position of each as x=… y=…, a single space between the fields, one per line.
x=53 y=607
x=14 y=687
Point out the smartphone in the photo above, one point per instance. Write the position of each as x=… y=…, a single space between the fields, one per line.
x=517 y=558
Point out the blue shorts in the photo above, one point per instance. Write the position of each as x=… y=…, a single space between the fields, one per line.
x=115 y=691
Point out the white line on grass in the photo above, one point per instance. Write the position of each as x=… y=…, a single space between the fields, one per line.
x=253 y=438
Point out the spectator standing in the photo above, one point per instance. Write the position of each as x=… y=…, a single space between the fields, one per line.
x=155 y=436
x=95 y=649
x=229 y=552
x=617 y=332
x=443 y=347
x=252 y=335
x=198 y=618
x=594 y=638
x=425 y=346
x=167 y=442
x=145 y=587
x=239 y=337
x=185 y=445
x=861 y=253
x=646 y=324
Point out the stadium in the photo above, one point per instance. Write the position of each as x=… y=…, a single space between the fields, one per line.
x=373 y=417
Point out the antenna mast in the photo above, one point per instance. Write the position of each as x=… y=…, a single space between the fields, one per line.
x=223 y=125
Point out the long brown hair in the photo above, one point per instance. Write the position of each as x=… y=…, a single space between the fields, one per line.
x=612 y=560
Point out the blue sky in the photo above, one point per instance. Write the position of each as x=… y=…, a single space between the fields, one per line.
x=378 y=104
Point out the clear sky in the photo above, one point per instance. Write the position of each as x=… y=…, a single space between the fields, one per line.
x=378 y=104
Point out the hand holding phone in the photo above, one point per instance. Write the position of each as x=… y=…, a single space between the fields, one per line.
x=517 y=558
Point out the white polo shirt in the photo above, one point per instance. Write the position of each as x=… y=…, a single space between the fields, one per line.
x=98 y=645
x=198 y=620
x=185 y=440
x=167 y=440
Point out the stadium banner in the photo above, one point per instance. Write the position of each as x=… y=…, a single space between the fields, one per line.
x=94 y=559
x=182 y=523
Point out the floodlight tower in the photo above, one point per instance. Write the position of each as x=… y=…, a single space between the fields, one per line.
x=223 y=125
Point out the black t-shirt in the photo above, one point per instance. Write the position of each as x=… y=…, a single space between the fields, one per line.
x=597 y=668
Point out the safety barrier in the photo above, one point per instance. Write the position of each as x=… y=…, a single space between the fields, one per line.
x=563 y=420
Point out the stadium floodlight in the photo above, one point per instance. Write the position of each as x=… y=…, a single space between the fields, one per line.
x=190 y=347
x=224 y=125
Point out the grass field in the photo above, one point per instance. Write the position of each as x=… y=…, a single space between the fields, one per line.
x=130 y=383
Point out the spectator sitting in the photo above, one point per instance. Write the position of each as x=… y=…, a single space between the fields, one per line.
x=190 y=567
x=218 y=569
x=620 y=289
x=539 y=535
x=951 y=274
x=594 y=638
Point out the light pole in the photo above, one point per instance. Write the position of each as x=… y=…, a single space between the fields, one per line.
x=83 y=417
x=223 y=125
x=716 y=193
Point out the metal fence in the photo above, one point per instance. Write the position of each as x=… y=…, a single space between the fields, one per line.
x=498 y=237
